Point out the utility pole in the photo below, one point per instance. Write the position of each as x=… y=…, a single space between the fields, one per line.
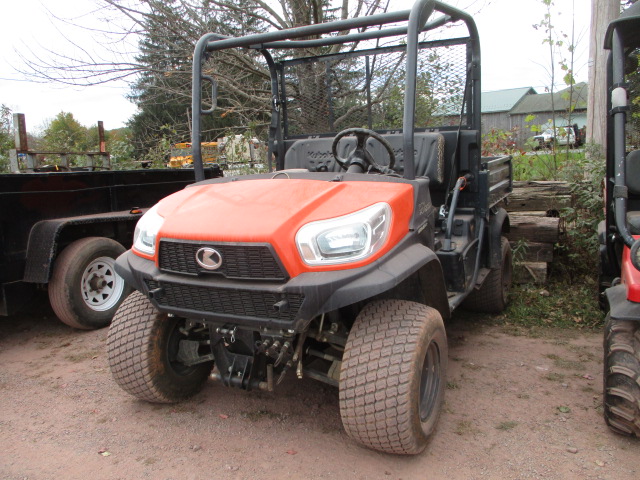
x=602 y=13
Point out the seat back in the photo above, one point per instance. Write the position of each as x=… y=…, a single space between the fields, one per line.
x=633 y=172
x=314 y=154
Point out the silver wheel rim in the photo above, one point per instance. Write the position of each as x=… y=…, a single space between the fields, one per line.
x=101 y=286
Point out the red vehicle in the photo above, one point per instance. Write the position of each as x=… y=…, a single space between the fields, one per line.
x=620 y=232
x=344 y=263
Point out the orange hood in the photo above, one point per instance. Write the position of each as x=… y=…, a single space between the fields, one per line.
x=273 y=210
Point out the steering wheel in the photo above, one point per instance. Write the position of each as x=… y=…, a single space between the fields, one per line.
x=360 y=152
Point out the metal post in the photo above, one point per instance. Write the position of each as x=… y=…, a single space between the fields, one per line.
x=13 y=161
x=31 y=162
x=106 y=158
x=368 y=84
x=417 y=19
x=103 y=144
x=20 y=128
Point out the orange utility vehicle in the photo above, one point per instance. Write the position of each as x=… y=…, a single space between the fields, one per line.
x=343 y=264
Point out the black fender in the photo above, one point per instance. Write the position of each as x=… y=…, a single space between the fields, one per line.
x=46 y=237
x=620 y=307
x=498 y=226
x=322 y=292
x=415 y=260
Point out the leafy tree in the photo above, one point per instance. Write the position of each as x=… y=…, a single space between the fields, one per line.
x=66 y=134
x=6 y=137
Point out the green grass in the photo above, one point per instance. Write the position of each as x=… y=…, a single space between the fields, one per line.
x=543 y=165
x=565 y=364
x=508 y=425
x=554 y=377
x=566 y=306
x=567 y=309
x=465 y=427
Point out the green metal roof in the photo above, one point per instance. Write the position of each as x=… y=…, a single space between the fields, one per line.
x=504 y=100
x=542 y=101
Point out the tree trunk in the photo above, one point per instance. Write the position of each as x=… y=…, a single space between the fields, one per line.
x=602 y=13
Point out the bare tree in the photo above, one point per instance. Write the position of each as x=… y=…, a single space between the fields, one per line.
x=150 y=43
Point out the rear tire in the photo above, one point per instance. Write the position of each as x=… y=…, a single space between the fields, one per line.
x=142 y=347
x=493 y=295
x=85 y=291
x=392 y=379
x=622 y=376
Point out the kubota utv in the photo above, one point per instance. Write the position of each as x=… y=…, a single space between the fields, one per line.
x=620 y=232
x=341 y=265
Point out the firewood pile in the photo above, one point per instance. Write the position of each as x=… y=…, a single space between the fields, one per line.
x=536 y=225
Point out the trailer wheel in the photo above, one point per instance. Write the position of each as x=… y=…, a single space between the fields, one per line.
x=85 y=290
x=142 y=347
x=392 y=378
x=622 y=376
x=493 y=295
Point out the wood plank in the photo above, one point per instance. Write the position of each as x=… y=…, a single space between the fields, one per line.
x=534 y=229
x=539 y=196
x=532 y=251
x=530 y=272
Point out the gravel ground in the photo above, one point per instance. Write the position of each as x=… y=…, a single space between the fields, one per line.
x=517 y=407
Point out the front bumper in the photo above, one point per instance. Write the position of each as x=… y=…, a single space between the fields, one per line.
x=270 y=305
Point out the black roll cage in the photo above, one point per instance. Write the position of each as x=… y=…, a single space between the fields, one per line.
x=416 y=20
x=621 y=34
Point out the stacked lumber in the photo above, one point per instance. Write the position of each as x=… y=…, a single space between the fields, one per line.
x=534 y=212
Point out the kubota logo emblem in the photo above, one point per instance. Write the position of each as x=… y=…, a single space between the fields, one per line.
x=209 y=258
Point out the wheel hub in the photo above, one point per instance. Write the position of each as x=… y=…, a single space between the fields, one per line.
x=101 y=285
x=429 y=382
x=97 y=283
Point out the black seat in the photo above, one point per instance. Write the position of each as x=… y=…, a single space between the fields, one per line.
x=315 y=154
x=633 y=183
x=633 y=172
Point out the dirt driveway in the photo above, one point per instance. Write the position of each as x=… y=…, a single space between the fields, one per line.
x=517 y=407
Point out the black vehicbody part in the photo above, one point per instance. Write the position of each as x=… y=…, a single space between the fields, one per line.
x=621 y=308
x=286 y=39
x=290 y=305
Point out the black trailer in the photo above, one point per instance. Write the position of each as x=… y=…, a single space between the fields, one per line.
x=61 y=231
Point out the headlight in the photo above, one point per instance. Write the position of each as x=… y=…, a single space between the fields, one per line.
x=144 y=237
x=345 y=239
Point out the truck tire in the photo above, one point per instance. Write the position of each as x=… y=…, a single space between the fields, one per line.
x=392 y=378
x=142 y=348
x=622 y=376
x=493 y=295
x=85 y=291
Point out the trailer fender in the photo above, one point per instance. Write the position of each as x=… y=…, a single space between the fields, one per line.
x=498 y=226
x=45 y=237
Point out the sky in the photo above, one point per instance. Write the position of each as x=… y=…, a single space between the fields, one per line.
x=513 y=54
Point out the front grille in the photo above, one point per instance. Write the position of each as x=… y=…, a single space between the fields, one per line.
x=254 y=262
x=244 y=303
